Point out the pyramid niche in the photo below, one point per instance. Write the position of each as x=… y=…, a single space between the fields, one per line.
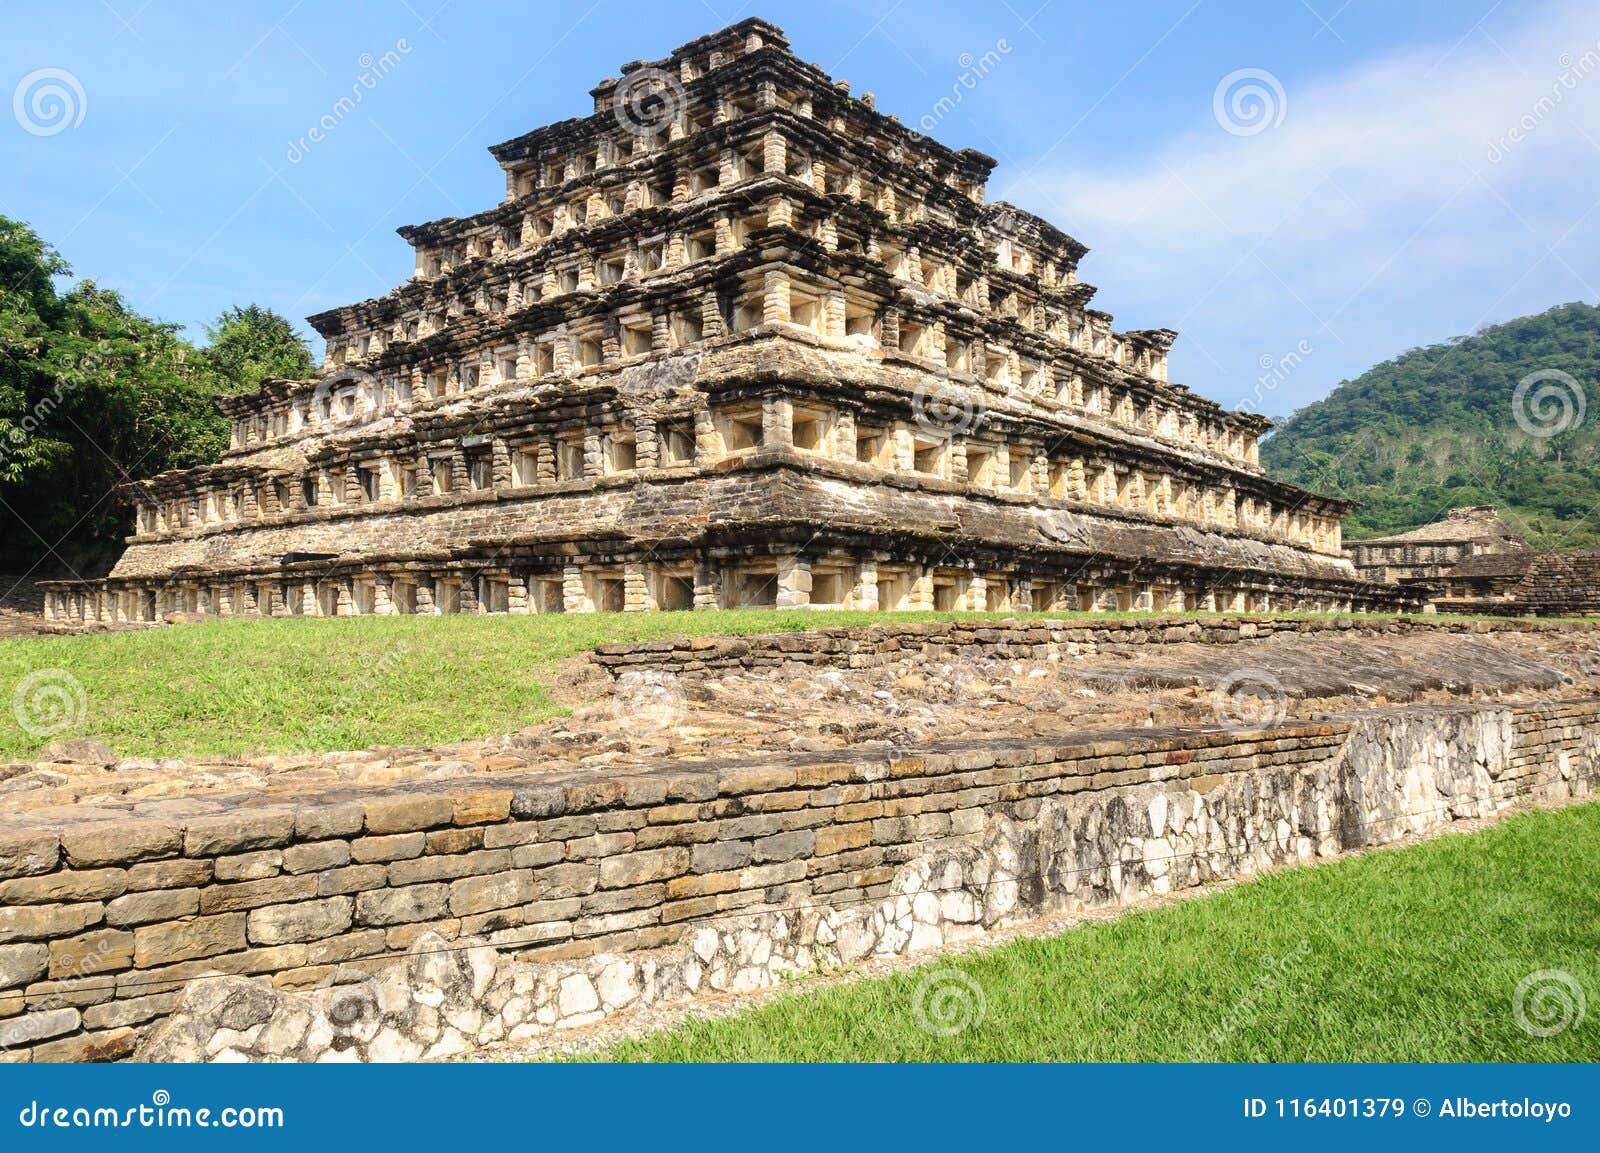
x=733 y=339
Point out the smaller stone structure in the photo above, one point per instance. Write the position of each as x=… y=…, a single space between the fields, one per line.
x=1432 y=551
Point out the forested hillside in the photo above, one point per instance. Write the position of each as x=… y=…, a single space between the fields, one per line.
x=1508 y=416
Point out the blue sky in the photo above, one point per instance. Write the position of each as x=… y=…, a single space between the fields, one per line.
x=1410 y=171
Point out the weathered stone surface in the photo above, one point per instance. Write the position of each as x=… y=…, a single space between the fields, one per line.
x=387 y=815
x=64 y=886
x=152 y=905
x=178 y=874
x=42 y=922
x=110 y=1045
x=118 y=842
x=173 y=941
x=401 y=906
x=316 y=856
x=237 y=832
x=79 y=751
x=638 y=868
x=40 y=1026
x=492 y=891
x=24 y=852
x=21 y=964
x=397 y=847
x=249 y=866
x=100 y=951
x=302 y=921
x=252 y=894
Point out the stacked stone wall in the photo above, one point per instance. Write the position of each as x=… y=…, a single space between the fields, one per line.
x=471 y=911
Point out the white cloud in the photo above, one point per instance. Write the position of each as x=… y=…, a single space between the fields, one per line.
x=1418 y=173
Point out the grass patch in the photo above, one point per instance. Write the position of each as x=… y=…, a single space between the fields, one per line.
x=1402 y=955
x=259 y=686
x=243 y=686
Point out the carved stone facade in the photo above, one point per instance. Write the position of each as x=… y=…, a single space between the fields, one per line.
x=735 y=339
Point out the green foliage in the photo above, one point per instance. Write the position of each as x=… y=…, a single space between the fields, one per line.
x=250 y=343
x=1410 y=954
x=1434 y=428
x=92 y=395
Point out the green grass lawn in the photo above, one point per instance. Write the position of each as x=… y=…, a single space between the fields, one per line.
x=223 y=687
x=1400 y=955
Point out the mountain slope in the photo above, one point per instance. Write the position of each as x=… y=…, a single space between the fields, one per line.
x=1454 y=424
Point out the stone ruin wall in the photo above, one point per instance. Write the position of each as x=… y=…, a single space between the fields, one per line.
x=1037 y=639
x=373 y=924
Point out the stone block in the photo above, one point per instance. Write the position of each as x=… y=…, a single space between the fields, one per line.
x=482 y=808
x=100 y=951
x=702 y=885
x=365 y=850
x=173 y=941
x=449 y=842
x=719 y=856
x=86 y=1048
x=323 y=821
x=155 y=905
x=254 y=894
x=174 y=874
x=242 y=830
x=45 y=922
x=639 y=868
x=536 y=856
x=249 y=866
x=119 y=842
x=839 y=838
x=316 y=856
x=572 y=879
x=355 y=879
x=301 y=921
x=784 y=846
x=406 y=813
x=25 y=852
x=22 y=964
x=402 y=906
x=494 y=891
x=129 y=1011
x=64 y=885
x=37 y=1026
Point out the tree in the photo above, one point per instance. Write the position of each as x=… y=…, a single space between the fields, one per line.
x=92 y=395
x=251 y=343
